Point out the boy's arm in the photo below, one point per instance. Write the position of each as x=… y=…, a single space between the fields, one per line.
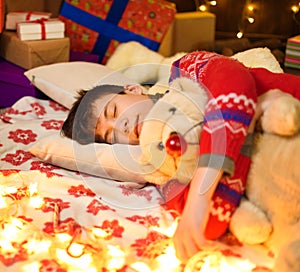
x=189 y=235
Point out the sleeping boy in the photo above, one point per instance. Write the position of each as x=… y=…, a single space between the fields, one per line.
x=237 y=96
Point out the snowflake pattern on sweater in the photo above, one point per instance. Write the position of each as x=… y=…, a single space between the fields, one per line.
x=231 y=104
x=232 y=94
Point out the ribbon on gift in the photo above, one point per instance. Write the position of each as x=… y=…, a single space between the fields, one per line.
x=43 y=27
x=28 y=15
x=42 y=23
x=108 y=28
x=2 y=9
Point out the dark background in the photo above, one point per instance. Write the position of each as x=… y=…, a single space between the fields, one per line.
x=273 y=18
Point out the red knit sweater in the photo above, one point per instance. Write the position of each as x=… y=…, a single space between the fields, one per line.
x=231 y=103
x=232 y=94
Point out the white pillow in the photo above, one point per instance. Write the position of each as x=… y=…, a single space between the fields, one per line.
x=119 y=162
x=62 y=81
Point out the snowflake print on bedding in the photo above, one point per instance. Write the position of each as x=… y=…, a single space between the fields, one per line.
x=52 y=124
x=17 y=158
x=22 y=136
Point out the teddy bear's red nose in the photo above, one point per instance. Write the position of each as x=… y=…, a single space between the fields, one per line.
x=176 y=145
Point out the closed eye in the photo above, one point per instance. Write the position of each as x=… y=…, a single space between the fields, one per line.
x=115 y=114
x=110 y=111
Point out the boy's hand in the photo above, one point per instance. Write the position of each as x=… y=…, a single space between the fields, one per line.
x=189 y=236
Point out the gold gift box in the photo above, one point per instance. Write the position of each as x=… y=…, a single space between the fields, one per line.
x=29 y=54
x=190 y=31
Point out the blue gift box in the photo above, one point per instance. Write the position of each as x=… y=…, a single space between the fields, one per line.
x=98 y=27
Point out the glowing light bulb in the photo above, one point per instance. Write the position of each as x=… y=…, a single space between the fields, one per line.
x=117 y=258
x=76 y=250
x=41 y=245
x=6 y=246
x=295 y=8
x=36 y=202
x=167 y=261
x=33 y=189
x=250 y=20
x=140 y=266
x=213 y=3
x=12 y=229
x=10 y=190
x=63 y=237
x=32 y=267
x=168 y=231
x=250 y=7
x=203 y=8
x=84 y=262
x=240 y=34
x=99 y=233
x=214 y=261
x=3 y=203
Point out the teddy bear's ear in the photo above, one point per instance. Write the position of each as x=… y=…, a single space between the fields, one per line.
x=193 y=90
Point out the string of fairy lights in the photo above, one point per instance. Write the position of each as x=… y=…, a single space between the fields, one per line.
x=71 y=247
x=250 y=9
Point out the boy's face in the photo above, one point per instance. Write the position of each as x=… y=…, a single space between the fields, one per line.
x=121 y=116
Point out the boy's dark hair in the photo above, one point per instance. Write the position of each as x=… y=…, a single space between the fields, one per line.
x=82 y=119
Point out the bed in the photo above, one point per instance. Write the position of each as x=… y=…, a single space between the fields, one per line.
x=64 y=208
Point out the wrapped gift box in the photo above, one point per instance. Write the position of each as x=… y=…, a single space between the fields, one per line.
x=1 y=15
x=12 y=18
x=40 y=30
x=83 y=56
x=14 y=85
x=292 y=53
x=98 y=27
x=190 y=31
x=29 y=54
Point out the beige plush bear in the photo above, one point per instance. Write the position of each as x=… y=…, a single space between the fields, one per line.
x=270 y=213
x=178 y=113
x=142 y=65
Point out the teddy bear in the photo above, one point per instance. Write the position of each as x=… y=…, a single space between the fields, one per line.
x=143 y=65
x=273 y=186
x=270 y=211
x=170 y=133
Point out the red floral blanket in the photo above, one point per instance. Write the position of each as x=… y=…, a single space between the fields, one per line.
x=53 y=219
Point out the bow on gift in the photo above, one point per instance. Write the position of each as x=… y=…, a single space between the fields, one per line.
x=42 y=23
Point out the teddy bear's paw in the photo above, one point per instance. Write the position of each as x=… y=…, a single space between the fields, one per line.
x=282 y=117
x=249 y=224
x=288 y=259
x=157 y=178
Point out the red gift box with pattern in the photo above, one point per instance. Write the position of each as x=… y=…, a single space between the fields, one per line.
x=1 y=15
x=99 y=26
